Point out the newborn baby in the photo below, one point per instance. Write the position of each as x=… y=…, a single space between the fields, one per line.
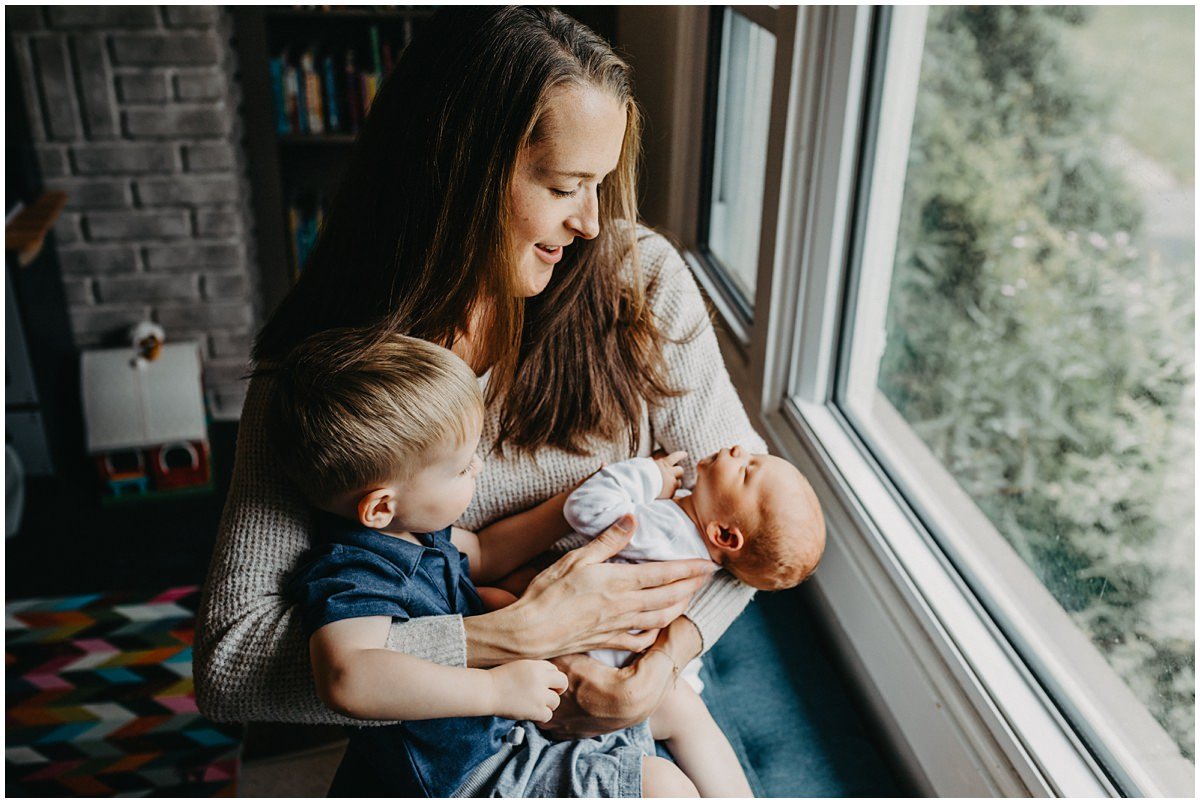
x=754 y=515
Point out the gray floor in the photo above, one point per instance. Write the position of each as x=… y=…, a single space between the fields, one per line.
x=303 y=774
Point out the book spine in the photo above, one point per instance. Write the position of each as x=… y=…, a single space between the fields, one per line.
x=312 y=97
x=370 y=84
x=376 y=60
x=353 y=94
x=291 y=94
x=283 y=125
x=331 y=96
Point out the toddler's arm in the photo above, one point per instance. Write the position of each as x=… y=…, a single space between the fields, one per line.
x=511 y=542
x=356 y=676
x=611 y=493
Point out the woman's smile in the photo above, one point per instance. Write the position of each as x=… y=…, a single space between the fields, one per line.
x=549 y=254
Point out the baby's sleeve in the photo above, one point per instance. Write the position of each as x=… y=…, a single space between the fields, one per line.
x=610 y=493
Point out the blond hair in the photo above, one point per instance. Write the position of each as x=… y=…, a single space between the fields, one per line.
x=786 y=542
x=350 y=410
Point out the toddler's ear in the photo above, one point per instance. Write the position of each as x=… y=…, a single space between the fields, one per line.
x=377 y=508
x=728 y=539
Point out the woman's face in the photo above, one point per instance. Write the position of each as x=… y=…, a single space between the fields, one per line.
x=554 y=192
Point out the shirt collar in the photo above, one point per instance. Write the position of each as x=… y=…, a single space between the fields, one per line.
x=403 y=554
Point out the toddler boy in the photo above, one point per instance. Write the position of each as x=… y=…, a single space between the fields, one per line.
x=380 y=434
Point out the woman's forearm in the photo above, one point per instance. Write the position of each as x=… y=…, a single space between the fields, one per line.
x=497 y=638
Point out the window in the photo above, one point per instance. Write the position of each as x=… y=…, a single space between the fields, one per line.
x=1019 y=354
x=731 y=223
x=974 y=327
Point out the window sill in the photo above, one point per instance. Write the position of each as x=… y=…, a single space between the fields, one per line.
x=958 y=704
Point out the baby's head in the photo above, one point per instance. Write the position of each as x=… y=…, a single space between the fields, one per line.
x=379 y=430
x=760 y=516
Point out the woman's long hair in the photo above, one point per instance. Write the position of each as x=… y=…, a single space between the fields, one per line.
x=416 y=240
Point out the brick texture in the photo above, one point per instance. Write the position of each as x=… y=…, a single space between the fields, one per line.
x=188 y=191
x=94 y=194
x=124 y=159
x=133 y=113
x=161 y=50
x=137 y=225
x=103 y=16
x=206 y=85
x=193 y=257
x=143 y=87
x=55 y=86
x=208 y=158
x=176 y=121
x=95 y=86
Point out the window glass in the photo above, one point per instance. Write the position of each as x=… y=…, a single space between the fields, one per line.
x=1038 y=333
x=747 y=64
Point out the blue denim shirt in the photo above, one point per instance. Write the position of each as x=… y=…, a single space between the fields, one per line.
x=353 y=572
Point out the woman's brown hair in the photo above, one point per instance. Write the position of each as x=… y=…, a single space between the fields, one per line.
x=415 y=241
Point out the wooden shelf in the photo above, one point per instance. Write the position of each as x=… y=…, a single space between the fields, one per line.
x=350 y=13
x=316 y=139
x=27 y=231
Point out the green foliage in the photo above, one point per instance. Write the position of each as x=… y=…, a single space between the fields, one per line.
x=1039 y=349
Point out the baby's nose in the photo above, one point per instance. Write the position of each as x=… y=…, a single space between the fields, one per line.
x=736 y=451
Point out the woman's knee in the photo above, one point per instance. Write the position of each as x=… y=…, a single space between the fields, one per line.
x=661 y=778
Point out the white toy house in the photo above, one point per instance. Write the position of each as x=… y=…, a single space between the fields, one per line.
x=145 y=420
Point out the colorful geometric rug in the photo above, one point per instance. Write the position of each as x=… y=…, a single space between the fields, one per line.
x=99 y=700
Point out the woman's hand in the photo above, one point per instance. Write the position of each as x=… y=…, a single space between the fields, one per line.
x=600 y=699
x=581 y=603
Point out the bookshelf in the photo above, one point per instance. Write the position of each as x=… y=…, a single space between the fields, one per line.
x=306 y=75
x=294 y=168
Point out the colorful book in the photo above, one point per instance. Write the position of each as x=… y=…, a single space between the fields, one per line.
x=370 y=85
x=291 y=99
x=283 y=124
x=331 y=95
x=313 y=107
x=376 y=59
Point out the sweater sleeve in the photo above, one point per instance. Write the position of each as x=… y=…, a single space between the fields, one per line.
x=708 y=416
x=251 y=658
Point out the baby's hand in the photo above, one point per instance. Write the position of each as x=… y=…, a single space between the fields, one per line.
x=672 y=473
x=526 y=690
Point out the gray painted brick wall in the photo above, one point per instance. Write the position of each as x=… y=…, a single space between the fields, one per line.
x=134 y=113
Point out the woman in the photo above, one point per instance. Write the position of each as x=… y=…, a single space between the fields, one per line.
x=488 y=209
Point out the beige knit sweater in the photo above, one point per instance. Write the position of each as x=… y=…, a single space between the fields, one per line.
x=251 y=657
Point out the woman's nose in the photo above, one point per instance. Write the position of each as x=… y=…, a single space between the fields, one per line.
x=586 y=221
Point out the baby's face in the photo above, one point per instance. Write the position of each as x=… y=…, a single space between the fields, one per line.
x=733 y=485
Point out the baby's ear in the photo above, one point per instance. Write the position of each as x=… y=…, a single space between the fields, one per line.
x=729 y=539
x=377 y=508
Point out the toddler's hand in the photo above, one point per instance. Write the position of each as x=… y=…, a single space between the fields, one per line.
x=672 y=473
x=527 y=690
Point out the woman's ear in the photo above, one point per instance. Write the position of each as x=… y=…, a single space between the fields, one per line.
x=377 y=508
x=727 y=539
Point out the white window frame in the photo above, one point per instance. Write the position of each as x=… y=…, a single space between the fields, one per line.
x=961 y=707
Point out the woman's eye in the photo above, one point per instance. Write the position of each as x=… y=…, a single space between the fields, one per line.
x=564 y=193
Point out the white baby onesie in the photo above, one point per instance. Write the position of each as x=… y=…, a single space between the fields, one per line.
x=663 y=532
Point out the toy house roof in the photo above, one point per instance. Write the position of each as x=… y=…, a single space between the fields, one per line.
x=130 y=407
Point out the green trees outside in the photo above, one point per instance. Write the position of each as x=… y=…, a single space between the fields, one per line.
x=1041 y=349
